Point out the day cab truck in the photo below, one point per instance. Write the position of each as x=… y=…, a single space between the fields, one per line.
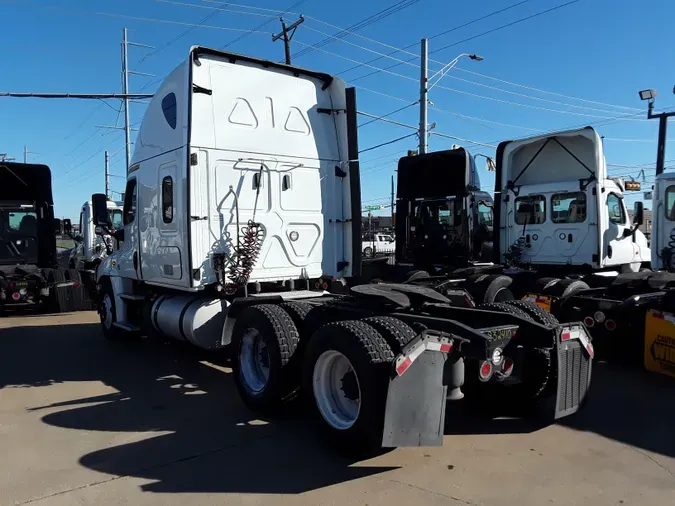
x=30 y=277
x=241 y=229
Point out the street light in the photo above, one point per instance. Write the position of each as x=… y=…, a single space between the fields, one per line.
x=425 y=88
x=449 y=66
x=650 y=95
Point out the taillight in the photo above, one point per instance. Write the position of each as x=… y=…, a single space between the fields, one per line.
x=589 y=321
x=485 y=371
x=507 y=368
x=16 y=296
x=610 y=325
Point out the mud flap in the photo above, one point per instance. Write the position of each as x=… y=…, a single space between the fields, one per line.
x=574 y=353
x=415 y=411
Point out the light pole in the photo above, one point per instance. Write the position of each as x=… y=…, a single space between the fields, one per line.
x=425 y=88
x=650 y=95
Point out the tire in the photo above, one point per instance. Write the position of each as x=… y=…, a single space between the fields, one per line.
x=543 y=284
x=351 y=415
x=415 y=275
x=565 y=288
x=58 y=301
x=394 y=331
x=298 y=311
x=489 y=288
x=80 y=298
x=368 y=252
x=107 y=314
x=264 y=339
x=505 y=307
x=538 y=314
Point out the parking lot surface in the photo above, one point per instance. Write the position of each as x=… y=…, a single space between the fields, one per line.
x=85 y=421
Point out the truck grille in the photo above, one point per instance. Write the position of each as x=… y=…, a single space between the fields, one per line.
x=574 y=375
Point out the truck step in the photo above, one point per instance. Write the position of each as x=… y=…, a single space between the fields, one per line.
x=132 y=297
x=295 y=294
x=127 y=326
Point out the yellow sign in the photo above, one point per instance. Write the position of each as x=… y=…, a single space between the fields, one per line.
x=660 y=342
x=542 y=301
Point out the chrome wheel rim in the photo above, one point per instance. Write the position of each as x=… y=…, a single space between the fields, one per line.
x=254 y=361
x=337 y=391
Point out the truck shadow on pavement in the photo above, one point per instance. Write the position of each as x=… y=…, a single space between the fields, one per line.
x=187 y=430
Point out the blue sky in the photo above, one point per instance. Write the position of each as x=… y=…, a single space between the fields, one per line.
x=596 y=50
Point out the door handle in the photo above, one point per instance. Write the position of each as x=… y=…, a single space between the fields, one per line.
x=136 y=260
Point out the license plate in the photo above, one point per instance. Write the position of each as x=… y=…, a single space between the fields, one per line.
x=542 y=301
x=21 y=283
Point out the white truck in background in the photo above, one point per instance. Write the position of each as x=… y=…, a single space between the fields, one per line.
x=558 y=210
x=241 y=227
x=90 y=247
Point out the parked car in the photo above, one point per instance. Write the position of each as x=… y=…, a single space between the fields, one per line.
x=378 y=243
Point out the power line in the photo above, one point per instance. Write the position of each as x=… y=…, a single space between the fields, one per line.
x=476 y=20
x=263 y=24
x=127 y=16
x=387 y=143
x=374 y=18
x=388 y=114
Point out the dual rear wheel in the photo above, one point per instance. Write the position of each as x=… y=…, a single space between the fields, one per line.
x=342 y=371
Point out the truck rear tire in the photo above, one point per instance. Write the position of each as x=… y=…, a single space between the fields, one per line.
x=264 y=339
x=565 y=288
x=538 y=314
x=486 y=288
x=80 y=299
x=505 y=307
x=58 y=301
x=394 y=331
x=346 y=374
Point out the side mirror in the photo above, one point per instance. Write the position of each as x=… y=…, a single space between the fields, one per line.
x=67 y=227
x=100 y=216
x=639 y=213
x=98 y=230
x=627 y=232
x=57 y=227
x=119 y=234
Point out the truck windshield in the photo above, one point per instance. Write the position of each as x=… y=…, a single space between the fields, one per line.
x=484 y=215
x=18 y=232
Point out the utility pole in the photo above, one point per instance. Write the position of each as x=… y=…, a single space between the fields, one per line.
x=424 y=95
x=25 y=153
x=107 y=175
x=284 y=34
x=125 y=90
x=392 y=201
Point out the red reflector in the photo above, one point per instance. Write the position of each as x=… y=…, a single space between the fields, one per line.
x=610 y=325
x=566 y=336
x=507 y=368
x=76 y=284
x=404 y=366
x=16 y=296
x=11 y=285
x=468 y=301
x=446 y=348
x=485 y=370
x=589 y=321
x=325 y=286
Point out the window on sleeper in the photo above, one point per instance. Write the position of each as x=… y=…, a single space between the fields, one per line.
x=615 y=208
x=670 y=203
x=167 y=199
x=531 y=210
x=568 y=207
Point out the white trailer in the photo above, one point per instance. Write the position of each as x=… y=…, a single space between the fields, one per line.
x=242 y=211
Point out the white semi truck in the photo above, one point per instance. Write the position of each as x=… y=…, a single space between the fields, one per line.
x=90 y=248
x=241 y=229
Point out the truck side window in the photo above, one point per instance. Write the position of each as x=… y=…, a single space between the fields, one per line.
x=531 y=210
x=616 y=214
x=170 y=110
x=568 y=207
x=130 y=202
x=167 y=199
x=670 y=203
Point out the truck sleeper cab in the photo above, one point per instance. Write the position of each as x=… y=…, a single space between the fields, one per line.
x=242 y=208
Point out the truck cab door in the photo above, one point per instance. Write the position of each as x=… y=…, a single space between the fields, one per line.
x=620 y=250
x=663 y=233
x=129 y=255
